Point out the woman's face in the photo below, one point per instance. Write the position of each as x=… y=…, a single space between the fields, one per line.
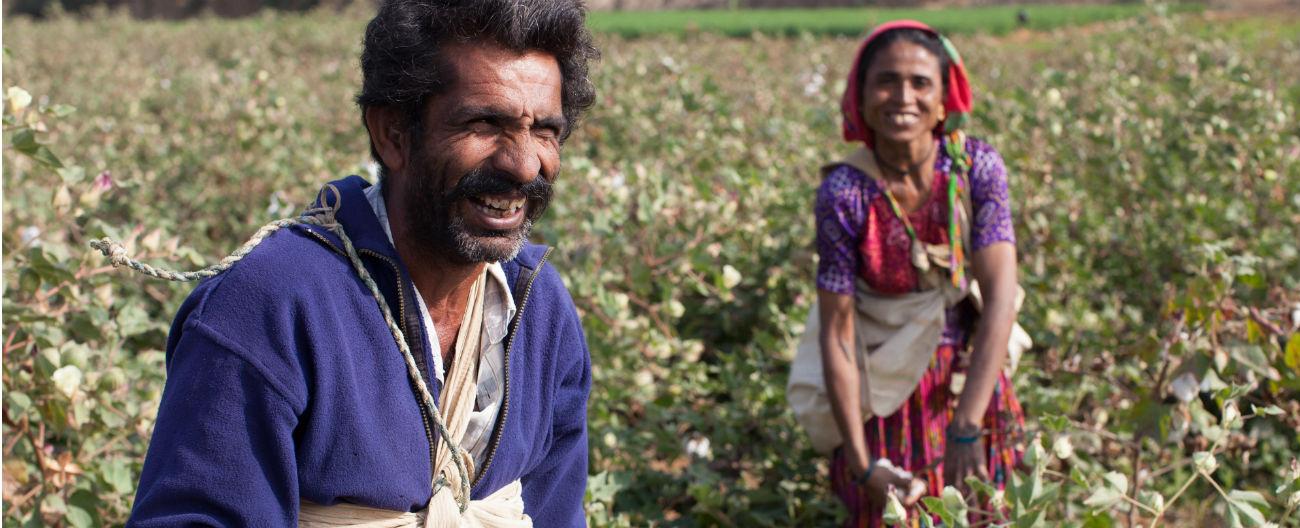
x=902 y=93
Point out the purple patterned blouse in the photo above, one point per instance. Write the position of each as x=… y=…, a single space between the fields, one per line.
x=858 y=234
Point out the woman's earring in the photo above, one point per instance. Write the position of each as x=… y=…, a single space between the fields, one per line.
x=942 y=115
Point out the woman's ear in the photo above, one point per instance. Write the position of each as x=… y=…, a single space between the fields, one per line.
x=388 y=136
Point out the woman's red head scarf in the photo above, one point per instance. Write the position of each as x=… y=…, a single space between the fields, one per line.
x=956 y=104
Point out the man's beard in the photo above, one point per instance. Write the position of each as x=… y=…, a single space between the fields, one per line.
x=439 y=231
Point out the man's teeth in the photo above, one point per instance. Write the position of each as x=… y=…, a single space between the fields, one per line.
x=504 y=204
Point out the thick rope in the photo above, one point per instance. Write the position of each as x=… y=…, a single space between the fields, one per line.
x=323 y=217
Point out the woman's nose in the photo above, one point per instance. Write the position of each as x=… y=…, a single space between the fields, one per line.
x=905 y=92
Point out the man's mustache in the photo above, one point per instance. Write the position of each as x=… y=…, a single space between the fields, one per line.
x=487 y=181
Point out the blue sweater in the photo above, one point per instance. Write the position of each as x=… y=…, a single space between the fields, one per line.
x=284 y=383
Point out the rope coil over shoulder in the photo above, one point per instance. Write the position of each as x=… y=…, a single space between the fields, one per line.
x=323 y=216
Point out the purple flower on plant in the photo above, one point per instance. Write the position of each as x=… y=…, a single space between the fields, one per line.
x=104 y=181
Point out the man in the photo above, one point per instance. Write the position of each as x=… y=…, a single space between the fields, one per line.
x=288 y=398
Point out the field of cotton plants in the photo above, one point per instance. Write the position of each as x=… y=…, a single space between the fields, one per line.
x=1155 y=175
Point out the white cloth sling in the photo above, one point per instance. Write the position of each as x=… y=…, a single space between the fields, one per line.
x=895 y=337
x=502 y=509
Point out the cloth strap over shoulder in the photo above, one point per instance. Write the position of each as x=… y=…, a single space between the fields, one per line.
x=502 y=509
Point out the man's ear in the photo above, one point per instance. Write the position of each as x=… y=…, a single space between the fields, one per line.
x=388 y=135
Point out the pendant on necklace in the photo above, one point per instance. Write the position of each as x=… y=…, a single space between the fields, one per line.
x=920 y=259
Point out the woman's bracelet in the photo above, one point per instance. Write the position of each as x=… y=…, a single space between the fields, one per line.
x=958 y=438
x=862 y=479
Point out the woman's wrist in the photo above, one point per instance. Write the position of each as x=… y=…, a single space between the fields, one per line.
x=866 y=474
x=964 y=432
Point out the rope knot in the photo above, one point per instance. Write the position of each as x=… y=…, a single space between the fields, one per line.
x=326 y=214
x=115 y=252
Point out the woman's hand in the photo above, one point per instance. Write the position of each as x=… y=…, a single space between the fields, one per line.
x=884 y=478
x=961 y=460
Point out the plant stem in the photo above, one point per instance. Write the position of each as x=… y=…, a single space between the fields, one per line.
x=1222 y=493
x=1171 y=500
x=1137 y=476
x=1144 y=507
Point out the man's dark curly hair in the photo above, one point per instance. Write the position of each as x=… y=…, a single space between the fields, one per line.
x=402 y=63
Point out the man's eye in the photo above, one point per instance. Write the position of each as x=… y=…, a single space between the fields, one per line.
x=481 y=125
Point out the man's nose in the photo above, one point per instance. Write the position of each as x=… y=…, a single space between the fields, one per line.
x=518 y=157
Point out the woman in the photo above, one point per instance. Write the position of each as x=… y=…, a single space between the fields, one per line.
x=893 y=225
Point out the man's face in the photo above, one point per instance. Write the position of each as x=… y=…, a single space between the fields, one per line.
x=482 y=171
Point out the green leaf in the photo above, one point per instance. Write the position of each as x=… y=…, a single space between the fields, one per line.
x=1152 y=498
x=117 y=475
x=1271 y=410
x=1033 y=519
x=1077 y=476
x=1116 y=480
x=1104 y=497
x=603 y=486
x=983 y=489
x=1098 y=520
x=72 y=175
x=955 y=503
x=935 y=506
x=132 y=320
x=63 y=110
x=894 y=513
x=54 y=504
x=1035 y=455
x=1110 y=491
x=49 y=270
x=1254 y=333
x=24 y=140
x=1292 y=355
x=1055 y=422
x=19 y=401
x=47 y=158
x=83 y=509
x=1246 y=504
x=1254 y=358
x=1252 y=497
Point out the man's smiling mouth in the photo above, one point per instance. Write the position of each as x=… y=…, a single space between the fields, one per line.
x=498 y=207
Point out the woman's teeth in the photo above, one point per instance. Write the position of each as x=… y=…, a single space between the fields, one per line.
x=903 y=119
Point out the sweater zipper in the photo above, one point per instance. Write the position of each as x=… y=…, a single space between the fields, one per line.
x=425 y=412
x=505 y=398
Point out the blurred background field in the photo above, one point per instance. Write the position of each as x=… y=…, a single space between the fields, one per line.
x=1155 y=165
x=849 y=21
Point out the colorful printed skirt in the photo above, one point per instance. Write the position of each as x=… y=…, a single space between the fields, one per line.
x=913 y=439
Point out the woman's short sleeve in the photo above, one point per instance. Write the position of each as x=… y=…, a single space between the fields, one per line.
x=841 y=216
x=989 y=198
